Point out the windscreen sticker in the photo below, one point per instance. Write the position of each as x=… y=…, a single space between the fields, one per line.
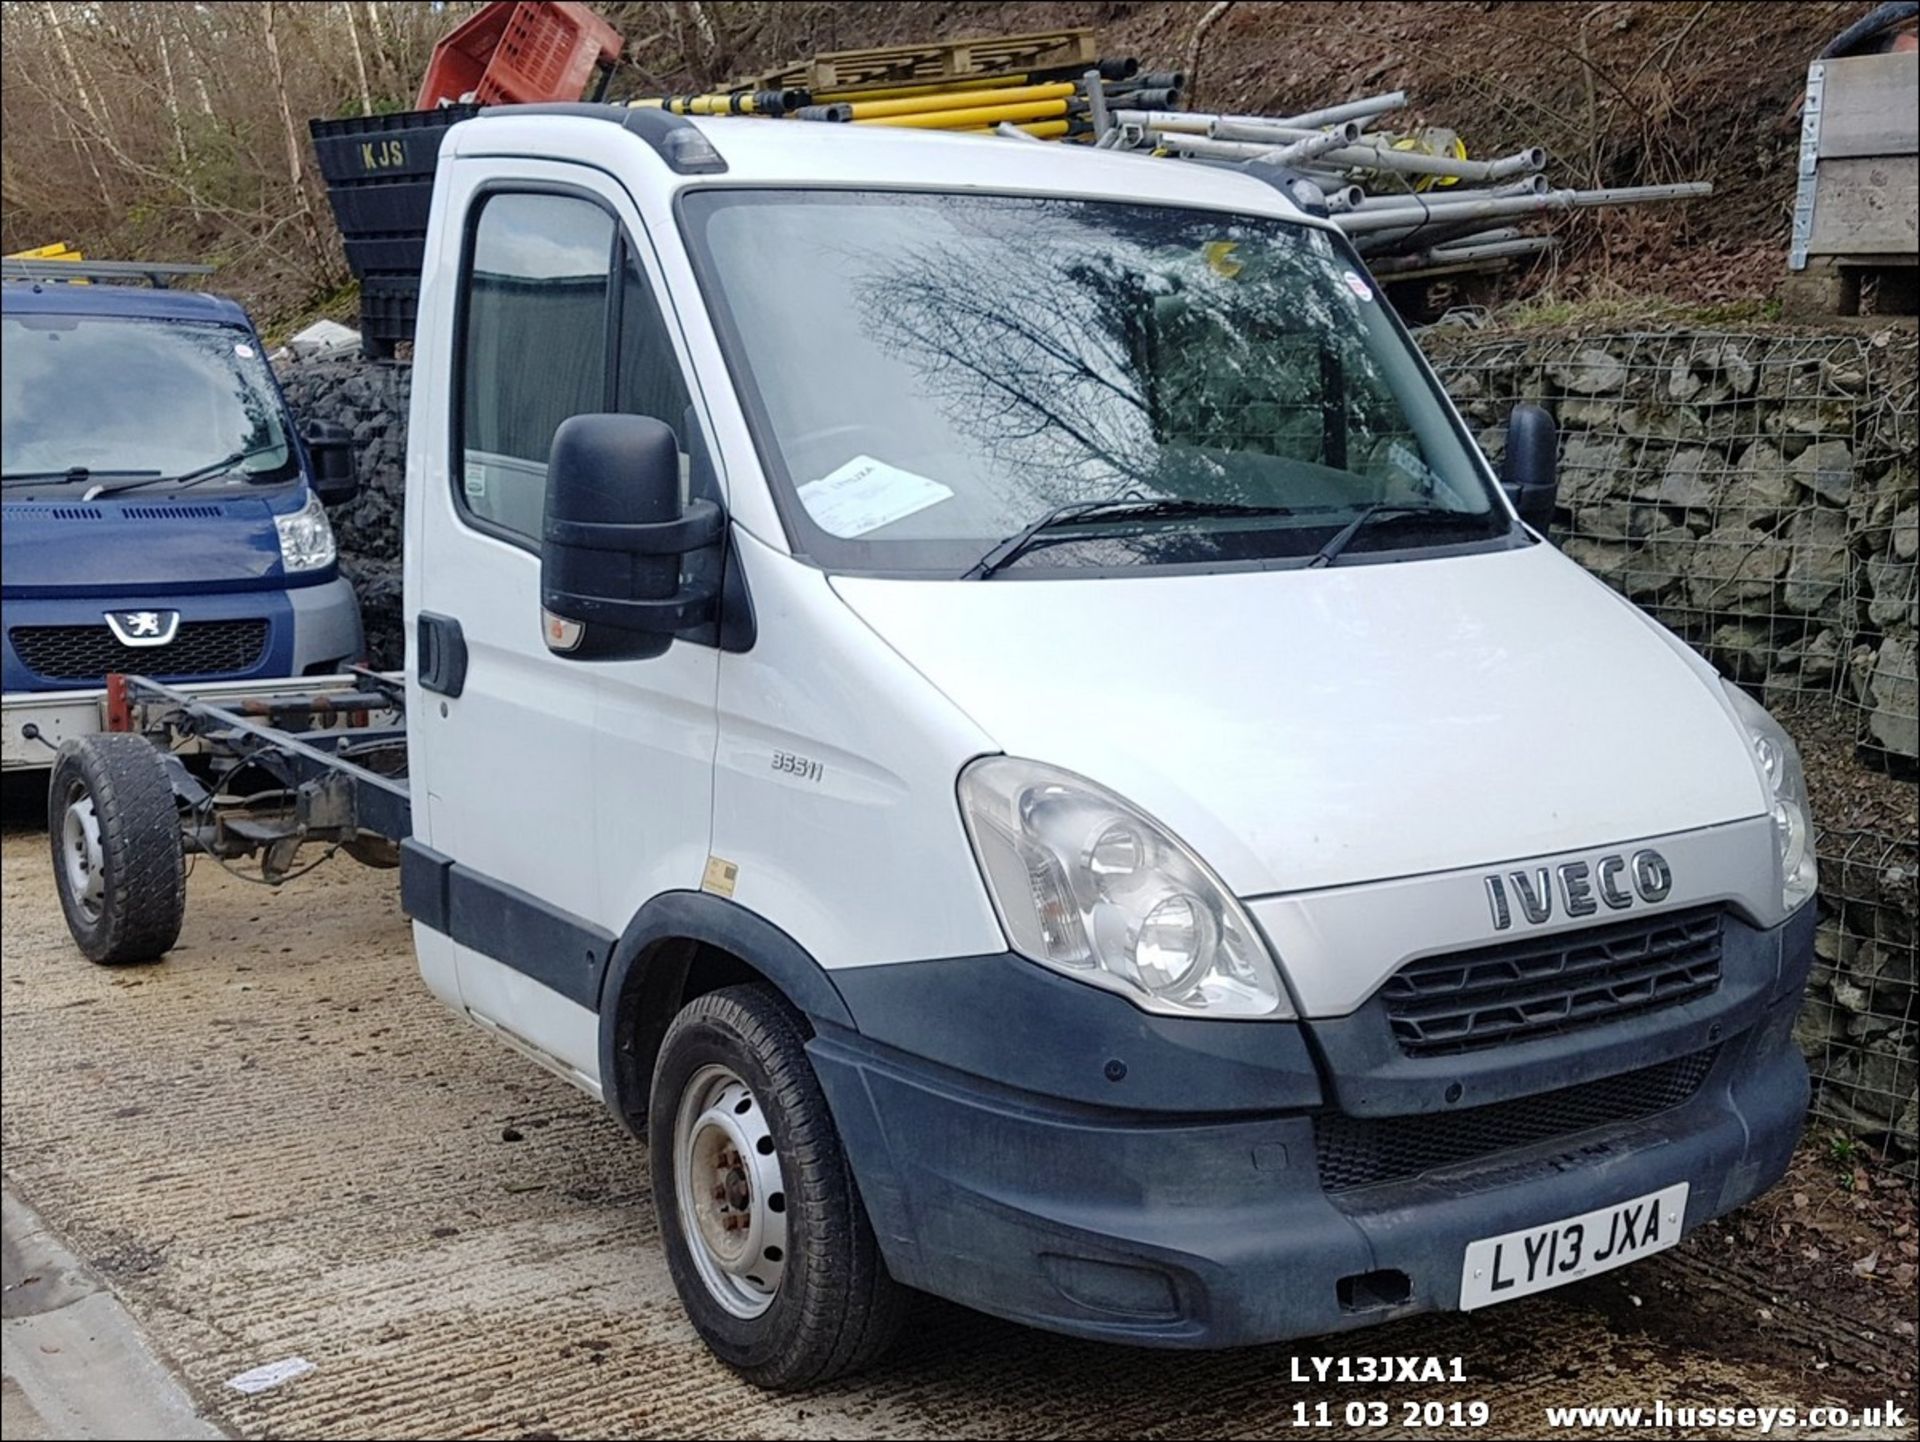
x=475 y=481
x=243 y=350
x=1221 y=259
x=865 y=494
x=1358 y=286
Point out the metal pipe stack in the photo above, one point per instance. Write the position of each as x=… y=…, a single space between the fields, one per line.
x=1413 y=202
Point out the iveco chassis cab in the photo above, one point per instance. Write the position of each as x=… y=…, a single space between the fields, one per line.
x=980 y=696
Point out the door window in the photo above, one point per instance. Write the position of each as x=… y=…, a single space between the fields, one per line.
x=534 y=352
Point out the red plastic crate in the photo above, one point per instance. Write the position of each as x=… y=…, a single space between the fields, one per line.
x=520 y=54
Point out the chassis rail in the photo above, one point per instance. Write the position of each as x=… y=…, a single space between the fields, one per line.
x=276 y=769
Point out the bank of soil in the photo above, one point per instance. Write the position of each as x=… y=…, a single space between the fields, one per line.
x=276 y=1144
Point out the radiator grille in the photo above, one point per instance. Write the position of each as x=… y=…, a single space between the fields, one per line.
x=1366 y=1151
x=88 y=653
x=1467 y=1000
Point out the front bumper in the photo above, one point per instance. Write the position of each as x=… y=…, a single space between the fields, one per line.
x=1130 y=1220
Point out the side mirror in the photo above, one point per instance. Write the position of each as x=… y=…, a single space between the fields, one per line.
x=1530 y=467
x=613 y=539
x=330 y=449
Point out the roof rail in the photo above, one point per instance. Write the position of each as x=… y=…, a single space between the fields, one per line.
x=155 y=273
x=674 y=138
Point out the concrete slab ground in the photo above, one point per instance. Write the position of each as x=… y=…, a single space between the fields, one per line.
x=76 y=1364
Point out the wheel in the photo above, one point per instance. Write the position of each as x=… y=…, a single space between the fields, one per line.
x=116 y=848
x=765 y=1233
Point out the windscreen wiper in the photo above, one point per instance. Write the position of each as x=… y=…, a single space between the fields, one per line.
x=74 y=474
x=187 y=478
x=1383 y=512
x=1114 y=508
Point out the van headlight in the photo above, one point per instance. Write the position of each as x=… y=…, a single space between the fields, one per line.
x=306 y=537
x=1093 y=887
x=1779 y=762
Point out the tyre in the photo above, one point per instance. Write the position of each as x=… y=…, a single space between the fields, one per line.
x=765 y=1233
x=116 y=848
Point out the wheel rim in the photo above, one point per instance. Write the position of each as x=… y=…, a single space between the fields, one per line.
x=80 y=853
x=731 y=1195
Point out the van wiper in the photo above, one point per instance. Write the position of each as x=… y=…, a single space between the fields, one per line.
x=1114 y=508
x=72 y=474
x=1382 y=513
x=188 y=478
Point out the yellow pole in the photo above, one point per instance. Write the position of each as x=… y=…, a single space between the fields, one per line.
x=915 y=105
x=928 y=87
x=983 y=115
x=1042 y=129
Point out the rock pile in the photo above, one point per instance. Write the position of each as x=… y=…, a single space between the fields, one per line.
x=369 y=398
x=1861 y=1027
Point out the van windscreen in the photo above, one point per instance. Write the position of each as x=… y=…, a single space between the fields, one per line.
x=96 y=399
x=929 y=374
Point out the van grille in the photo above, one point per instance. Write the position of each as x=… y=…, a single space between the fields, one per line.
x=88 y=653
x=1366 y=1151
x=1520 y=990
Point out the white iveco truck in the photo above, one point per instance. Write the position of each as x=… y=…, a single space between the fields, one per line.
x=980 y=696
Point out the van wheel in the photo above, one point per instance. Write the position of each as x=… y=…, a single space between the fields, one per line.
x=117 y=860
x=765 y=1233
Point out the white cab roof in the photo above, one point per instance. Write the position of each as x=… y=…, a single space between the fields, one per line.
x=799 y=152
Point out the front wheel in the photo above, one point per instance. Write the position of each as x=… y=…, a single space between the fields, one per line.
x=765 y=1233
x=117 y=861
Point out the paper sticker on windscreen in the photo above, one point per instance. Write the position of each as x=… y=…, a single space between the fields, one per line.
x=865 y=494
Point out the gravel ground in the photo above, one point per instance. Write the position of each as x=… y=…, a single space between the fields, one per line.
x=277 y=1144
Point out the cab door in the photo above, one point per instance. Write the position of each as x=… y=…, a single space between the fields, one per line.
x=559 y=789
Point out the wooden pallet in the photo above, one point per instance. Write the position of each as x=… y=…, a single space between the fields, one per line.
x=942 y=60
x=1855 y=236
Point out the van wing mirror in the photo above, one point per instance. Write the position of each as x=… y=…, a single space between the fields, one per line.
x=613 y=539
x=1530 y=465
x=330 y=451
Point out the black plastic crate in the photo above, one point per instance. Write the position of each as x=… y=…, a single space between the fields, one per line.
x=379 y=174
x=401 y=254
x=403 y=146
x=389 y=306
x=394 y=207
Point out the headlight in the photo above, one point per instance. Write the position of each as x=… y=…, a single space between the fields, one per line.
x=1092 y=887
x=1779 y=762
x=306 y=537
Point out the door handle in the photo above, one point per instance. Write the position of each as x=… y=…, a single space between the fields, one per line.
x=441 y=653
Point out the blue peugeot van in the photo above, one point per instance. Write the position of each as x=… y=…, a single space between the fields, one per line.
x=162 y=514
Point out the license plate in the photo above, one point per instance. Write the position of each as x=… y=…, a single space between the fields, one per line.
x=1498 y=1269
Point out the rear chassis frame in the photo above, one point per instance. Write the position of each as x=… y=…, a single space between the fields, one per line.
x=323 y=760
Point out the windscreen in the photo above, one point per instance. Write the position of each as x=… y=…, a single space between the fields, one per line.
x=93 y=401
x=929 y=374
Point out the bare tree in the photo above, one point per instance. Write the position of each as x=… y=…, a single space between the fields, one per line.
x=296 y=148
x=359 y=59
x=82 y=91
